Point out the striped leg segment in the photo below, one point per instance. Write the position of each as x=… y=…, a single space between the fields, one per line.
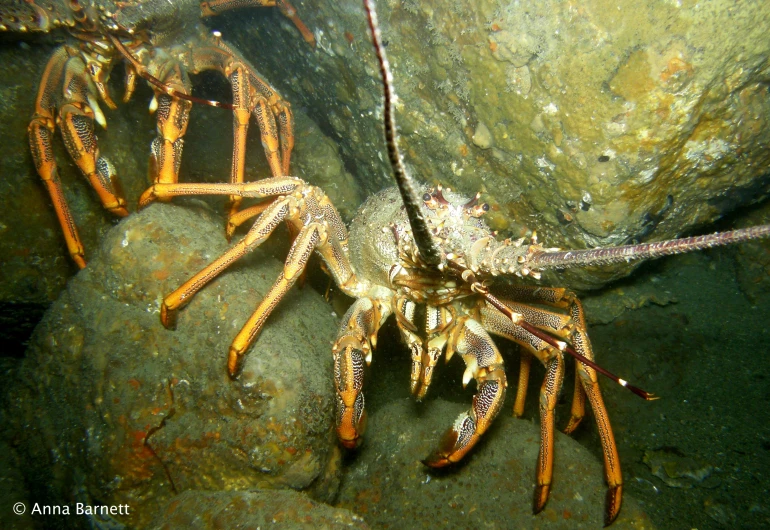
x=404 y=309
x=252 y=96
x=310 y=237
x=484 y=364
x=356 y=339
x=172 y=116
x=553 y=360
x=590 y=384
x=257 y=235
x=215 y=7
x=572 y=328
x=438 y=325
x=66 y=85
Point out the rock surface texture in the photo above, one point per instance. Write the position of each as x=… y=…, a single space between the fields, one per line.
x=204 y=510
x=492 y=488
x=110 y=407
x=594 y=124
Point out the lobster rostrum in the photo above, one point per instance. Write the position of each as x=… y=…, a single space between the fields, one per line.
x=162 y=42
x=430 y=260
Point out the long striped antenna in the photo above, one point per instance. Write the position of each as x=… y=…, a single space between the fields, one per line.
x=429 y=251
x=564 y=259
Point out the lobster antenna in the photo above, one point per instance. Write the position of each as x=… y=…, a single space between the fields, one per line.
x=429 y=251
x=564 y=259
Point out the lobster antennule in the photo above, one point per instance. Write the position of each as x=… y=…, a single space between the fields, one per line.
x=564 y=259
x=429 y=251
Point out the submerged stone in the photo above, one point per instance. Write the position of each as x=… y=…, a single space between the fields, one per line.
x=110 y=405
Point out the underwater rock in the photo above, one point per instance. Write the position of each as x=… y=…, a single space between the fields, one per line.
x=492 y=488
x=641 y=120
x=13 y=490
x=110 y=405
x=204 y=510
x=678 y=470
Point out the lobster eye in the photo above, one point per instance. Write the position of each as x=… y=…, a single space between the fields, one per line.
x=427 y=197
x=485 y=207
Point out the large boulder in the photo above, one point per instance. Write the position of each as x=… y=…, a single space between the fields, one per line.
x=592 y=124
x=109 y=407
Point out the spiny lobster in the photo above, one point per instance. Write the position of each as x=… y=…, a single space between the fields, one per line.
x=432 y=249
x=162 y=42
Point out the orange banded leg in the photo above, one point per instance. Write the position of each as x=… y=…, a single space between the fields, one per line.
x=286 y=132
x=215 y=7
x=258 y=233
x=554 y=297
x=549 y=395
x=244 y=215
x=484 y=364
x=590 y=385
x=310 y=237
x=290 y=12
x=521 y=390
x=239 y=81
x=586 y=378
x=76 y=120
x=438 y=325
x=65 y=78
x=356 y=339
x=261 y=189
x=499 y=324
x=41 y=130
x=172 y=115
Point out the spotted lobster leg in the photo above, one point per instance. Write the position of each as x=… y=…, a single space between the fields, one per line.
x=356 y=339
x=66 y=85
x=172 y=116
x=570 y=327
x=307 y=208
x=483 y=363
x=214 y=7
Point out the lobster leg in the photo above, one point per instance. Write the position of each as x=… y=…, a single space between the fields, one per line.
x=76 y=117
x=404 y=309
x=525 y=364
x=261 y=189
x=257 y=235
x=172 y=117
x=554 y=297
x=590 y=384
x=309 y=237
x=573 y=326
x=214 y=7
x=553 y=360
x=356 y=339
x=438 y=327
x=66 y=72
x=41 y=130
x=484 y=364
